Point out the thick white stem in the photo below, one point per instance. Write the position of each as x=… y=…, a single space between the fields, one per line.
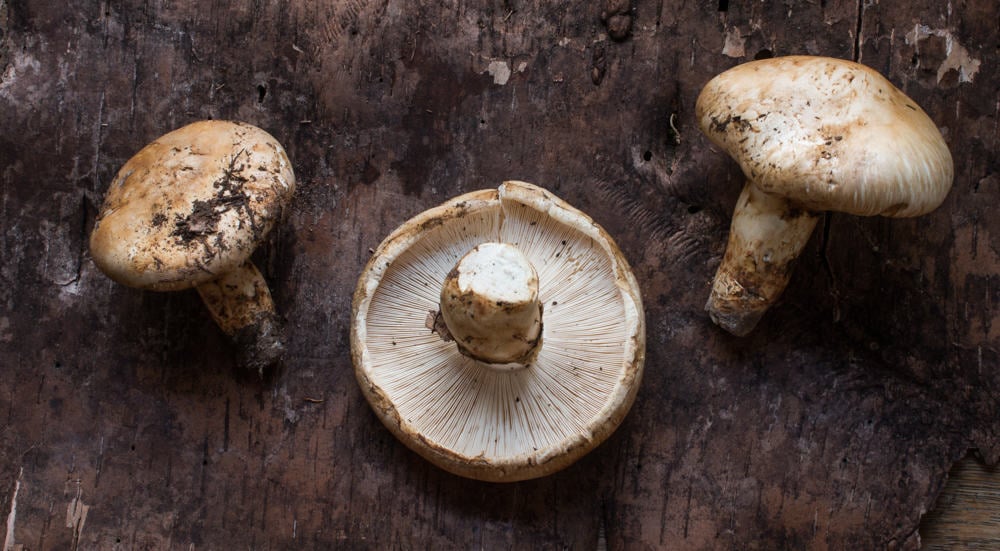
x=489 y=303
x=241 y=304
x=766 y=236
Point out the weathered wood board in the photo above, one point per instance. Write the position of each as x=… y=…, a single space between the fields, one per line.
x=967 y=513
x=124 y=423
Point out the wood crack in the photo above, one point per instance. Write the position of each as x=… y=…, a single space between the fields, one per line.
x=857 y=31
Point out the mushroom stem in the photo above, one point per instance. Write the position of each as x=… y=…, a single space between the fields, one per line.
x=767 y=234
x=240 y=303
x=489 y=303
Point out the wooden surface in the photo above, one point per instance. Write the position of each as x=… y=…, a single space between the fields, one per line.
x=967 y=513
x=125 y=425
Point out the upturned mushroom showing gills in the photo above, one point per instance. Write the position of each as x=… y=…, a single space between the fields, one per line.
x=187 y=211
x=811 y=134
x=500 y=335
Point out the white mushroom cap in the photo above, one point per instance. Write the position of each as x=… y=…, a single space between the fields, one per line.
x=828 y=134
x=463 y=414
x=191 y=206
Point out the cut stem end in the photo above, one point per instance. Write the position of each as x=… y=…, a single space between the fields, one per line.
x=489 y=305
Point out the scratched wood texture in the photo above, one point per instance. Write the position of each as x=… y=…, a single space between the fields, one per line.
x=967 y=513
x=124 y=423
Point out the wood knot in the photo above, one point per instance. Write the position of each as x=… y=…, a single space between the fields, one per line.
x=617 y=17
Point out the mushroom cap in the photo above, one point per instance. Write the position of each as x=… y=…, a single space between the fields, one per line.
x=462 y=414
x=828 y=134
x=191 y=206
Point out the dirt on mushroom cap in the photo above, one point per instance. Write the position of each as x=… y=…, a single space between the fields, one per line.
x=191 y=205
x=828 y=134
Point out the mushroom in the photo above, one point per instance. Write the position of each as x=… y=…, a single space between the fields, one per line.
x=500 y=335
x=811 y=134
x=187 y=211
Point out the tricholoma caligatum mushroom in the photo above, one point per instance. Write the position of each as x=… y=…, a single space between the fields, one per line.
x=187 y=211
x=500 y=335
x=811 y=134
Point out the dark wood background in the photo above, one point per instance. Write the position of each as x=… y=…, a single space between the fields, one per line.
x=124 y=423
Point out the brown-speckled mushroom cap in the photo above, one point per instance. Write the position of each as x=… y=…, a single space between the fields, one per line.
x=474 y=418
x=828 y=134
x=192 y=205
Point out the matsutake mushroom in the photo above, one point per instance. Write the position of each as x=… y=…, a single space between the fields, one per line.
x=811 y=134
x=500 y=335
x=187 y=211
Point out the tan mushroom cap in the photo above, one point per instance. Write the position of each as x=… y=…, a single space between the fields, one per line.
x=468 y=416
x=191 y=206
x=828 y=134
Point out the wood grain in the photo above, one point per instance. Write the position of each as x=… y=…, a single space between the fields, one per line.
x=967 y=513
x=124 y=423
